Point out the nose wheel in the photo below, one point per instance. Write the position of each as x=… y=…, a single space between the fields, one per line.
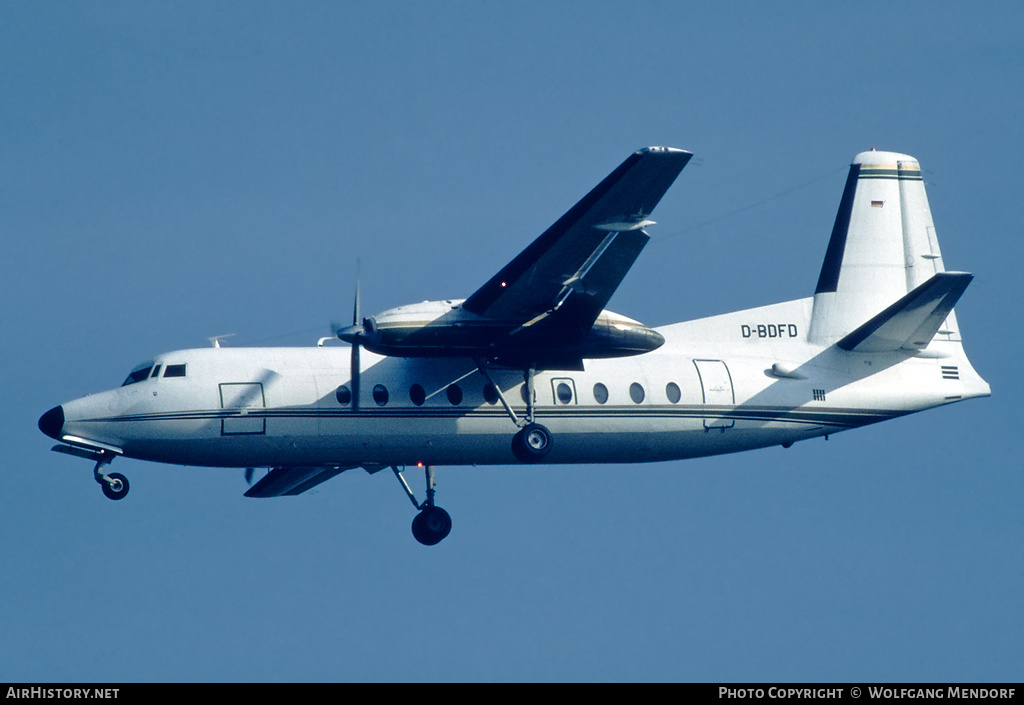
x=114 y=485
x=432 y=524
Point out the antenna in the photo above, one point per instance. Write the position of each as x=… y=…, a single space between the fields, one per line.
x=215 y=340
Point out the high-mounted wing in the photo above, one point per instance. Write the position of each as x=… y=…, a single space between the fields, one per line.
x=571 y=270
x=544 y=308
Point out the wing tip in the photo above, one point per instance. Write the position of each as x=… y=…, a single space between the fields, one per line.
x=662 y=150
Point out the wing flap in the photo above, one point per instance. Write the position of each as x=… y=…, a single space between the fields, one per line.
x=911 y=322
x=292 y=481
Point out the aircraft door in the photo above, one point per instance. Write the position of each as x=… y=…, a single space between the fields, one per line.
x=242 y=397
x=563 y=390
x=716 y=384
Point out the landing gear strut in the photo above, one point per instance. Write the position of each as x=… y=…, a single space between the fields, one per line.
x=432 y=524
x=114 y=485
x=533 y=441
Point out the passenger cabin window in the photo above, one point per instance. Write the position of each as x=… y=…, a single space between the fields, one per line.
x=174 y=371
x=490 y=394
x=454 y=394
x=417 y=395
x=344 y=395
x=563 y=392
x=636 y=393
x=600 y=393
x=673 y=393
x=138 y=374
x=380 y=394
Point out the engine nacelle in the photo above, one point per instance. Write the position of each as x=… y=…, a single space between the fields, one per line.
x=445 y=329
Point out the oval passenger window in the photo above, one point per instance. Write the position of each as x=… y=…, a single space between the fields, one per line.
x=454 y=394
x=636 y=392
x=673 y=393
x=417 y=395
x=564 y=392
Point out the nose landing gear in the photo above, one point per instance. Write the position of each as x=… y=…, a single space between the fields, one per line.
x=114 y=485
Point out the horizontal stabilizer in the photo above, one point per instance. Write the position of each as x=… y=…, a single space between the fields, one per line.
x=291 y=481
x=911 y=322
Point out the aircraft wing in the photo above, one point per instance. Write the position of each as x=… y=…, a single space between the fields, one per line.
x=562 y=281
x=292 y=481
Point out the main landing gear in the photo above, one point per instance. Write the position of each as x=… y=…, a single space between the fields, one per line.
x=531 y=444
x=114 y=485
x=533 y=441
x=432 y=524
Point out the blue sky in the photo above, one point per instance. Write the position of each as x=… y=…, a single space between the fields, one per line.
x=174 y=171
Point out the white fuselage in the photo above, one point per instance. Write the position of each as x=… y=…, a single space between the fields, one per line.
x=718 y=385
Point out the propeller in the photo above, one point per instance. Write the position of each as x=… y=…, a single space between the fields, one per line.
x=353 y=333
x=353 y=336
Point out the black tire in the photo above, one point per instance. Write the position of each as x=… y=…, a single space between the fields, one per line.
x=431 y=525
x=117 y=488
x=532 y=443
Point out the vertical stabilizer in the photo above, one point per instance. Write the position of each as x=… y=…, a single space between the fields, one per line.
x=883 y=246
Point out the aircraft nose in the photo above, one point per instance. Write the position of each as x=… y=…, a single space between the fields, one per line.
x=52 y=422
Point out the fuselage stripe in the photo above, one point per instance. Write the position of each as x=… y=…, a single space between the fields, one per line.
x=847 y=418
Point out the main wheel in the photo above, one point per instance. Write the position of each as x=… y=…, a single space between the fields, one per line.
x=431 y=525
x=532 y=443
x=117 y=487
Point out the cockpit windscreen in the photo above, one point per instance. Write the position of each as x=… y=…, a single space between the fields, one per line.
x=138 y=373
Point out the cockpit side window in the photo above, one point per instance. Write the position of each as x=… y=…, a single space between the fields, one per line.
x=174 y=371
x=139 y=373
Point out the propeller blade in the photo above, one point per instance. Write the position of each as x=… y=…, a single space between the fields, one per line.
x=355 y=375
x=352 y=335
x=355 y=305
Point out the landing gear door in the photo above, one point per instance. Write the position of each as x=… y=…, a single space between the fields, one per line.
x=716 y=384
x=241 y=399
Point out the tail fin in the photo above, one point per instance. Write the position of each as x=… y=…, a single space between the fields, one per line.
x=883 y=248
